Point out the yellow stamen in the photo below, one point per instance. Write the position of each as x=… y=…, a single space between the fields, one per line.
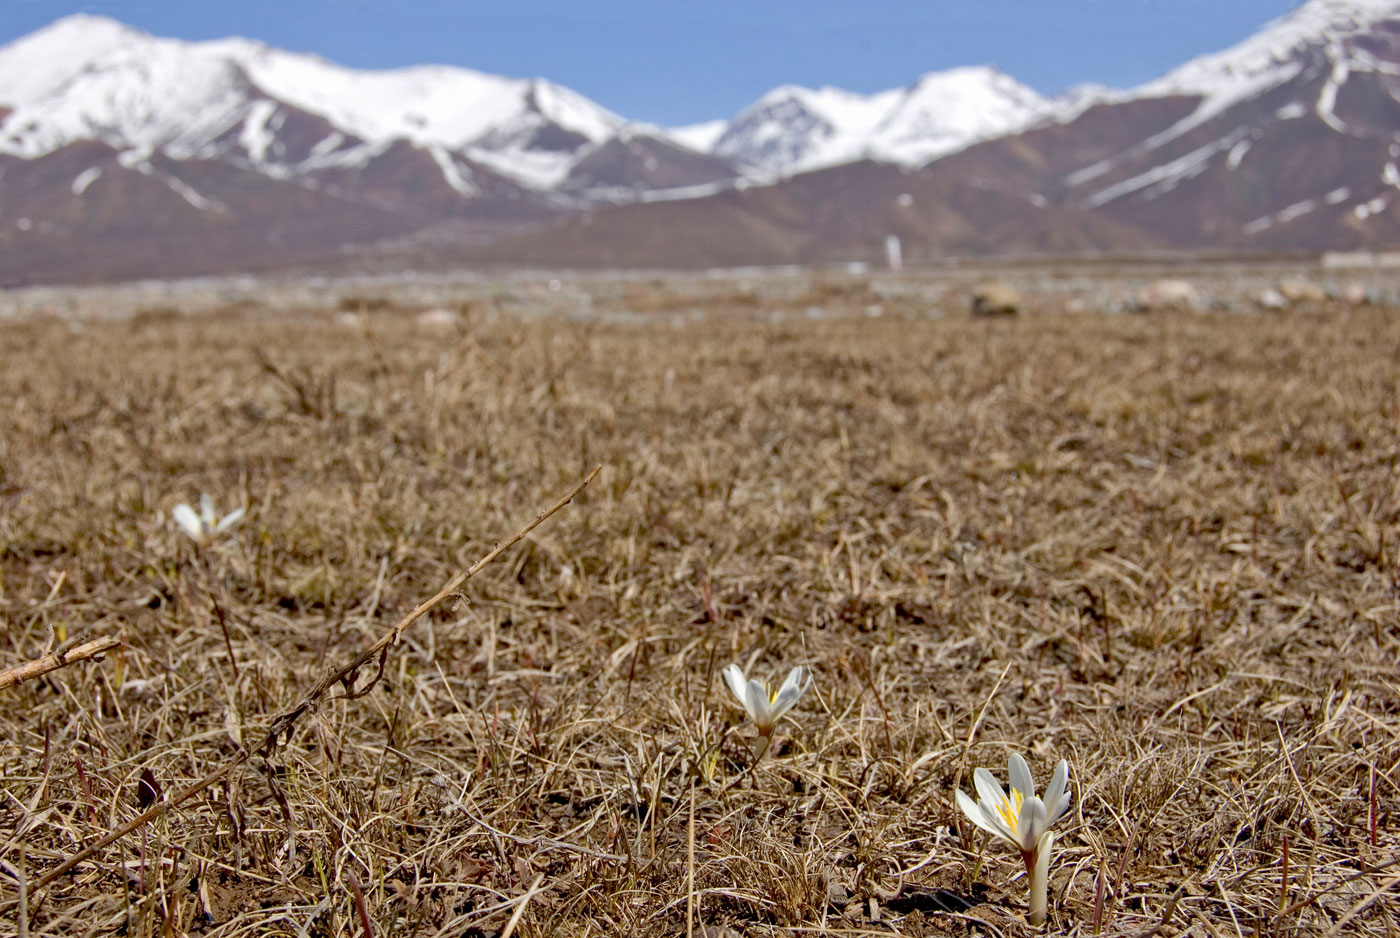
x=1010 y=809
x=772 y=694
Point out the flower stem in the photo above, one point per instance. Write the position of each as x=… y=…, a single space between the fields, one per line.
x=761 y=747
x=212 y=589
x=1040 y=877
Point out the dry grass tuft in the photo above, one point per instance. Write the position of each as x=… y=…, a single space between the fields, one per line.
x=1163 y=548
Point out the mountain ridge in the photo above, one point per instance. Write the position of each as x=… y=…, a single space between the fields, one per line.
x=245 y=155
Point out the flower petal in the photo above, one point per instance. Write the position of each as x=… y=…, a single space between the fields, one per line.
x=798 y=680
x=206 y=510
x=992 y=799
x=975 y=814
x=188 y=521
x=229 y=520
x=1020 y=775
x=995 y=820
x=756 y=702
x=794 y=681
x=734 y=677
x=988 y=789
x=1056 y=797
x=1031 y=823
x=969 y=807
x=1066 y=802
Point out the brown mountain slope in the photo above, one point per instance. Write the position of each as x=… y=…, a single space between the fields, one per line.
x=839 y=214
x=206 y=216
x=643 y=163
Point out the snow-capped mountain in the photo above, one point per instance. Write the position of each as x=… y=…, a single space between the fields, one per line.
x=176 y=156
x=1278 y=53
x=124 y=154
x=91 y=78
x=1287 y=141
x=794 y=129
x=1323 y=58
x=946 y=111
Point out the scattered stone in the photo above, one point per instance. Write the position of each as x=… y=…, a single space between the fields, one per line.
x=1355 y=294
x=995 y=299
x=1272 y=299
x=438 y=318
x=1179 y=296
x=1301 y=291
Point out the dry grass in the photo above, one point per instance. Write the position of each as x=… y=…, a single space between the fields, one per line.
x=1163 y=548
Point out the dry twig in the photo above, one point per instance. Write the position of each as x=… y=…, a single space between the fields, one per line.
x=58 y=659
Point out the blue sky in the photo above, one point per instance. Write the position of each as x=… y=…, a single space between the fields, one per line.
x=677 y=61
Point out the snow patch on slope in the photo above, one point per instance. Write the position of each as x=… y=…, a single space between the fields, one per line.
x=698 y=137
x=1374 y=207
x=258 y=133
x=1237 y=154
x=456 y=176
x=187 y=192
x=1327 y=98
x=84 y=179
x=537 y=169
x=1168 y=175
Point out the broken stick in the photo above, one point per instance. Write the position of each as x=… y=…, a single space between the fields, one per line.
x=58 y=659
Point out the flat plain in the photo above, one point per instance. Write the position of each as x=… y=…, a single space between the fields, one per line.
x=1162 y=547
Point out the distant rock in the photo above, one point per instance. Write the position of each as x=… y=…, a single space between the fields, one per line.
x=1355 y=294
x=1301 y=291
x=1271 y=299
x=995 y=299
x=438 y=318
x=1179 y=296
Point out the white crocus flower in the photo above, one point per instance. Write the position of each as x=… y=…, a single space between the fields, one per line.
x=763 y=706
x=205 y=525
x=1022 y=819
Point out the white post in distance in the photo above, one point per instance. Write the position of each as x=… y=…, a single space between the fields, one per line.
x=893 y=253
